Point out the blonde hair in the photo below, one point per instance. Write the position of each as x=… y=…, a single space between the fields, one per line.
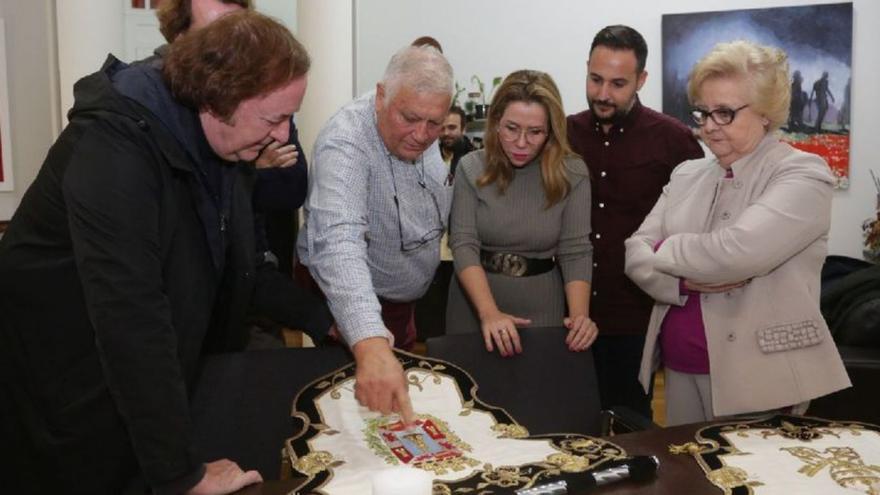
x=529 y=86
x=764 y=67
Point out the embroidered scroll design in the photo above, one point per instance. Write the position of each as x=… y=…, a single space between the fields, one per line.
x=592 y=449
x=569 y=463
x=431 y=369
x=315 y=462
x=729 y=477
x=799 y=432
x=690 y=448
x=510 y=430
x=502 y=476
x=845 y=466
x=333 y=383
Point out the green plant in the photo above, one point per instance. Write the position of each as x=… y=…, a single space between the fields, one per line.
x=476 y=80
x=495 y=83
x=458 y=91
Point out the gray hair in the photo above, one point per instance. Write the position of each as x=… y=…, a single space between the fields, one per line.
x=423 y=69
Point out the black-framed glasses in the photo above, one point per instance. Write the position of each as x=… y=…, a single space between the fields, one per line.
x=721 y=116
x=412 y=243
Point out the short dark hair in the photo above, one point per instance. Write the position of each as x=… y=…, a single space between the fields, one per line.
x=620 y=37
x=175 y=16
x=458 y=111
x=239 y=56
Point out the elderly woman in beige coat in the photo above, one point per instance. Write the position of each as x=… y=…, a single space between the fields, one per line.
x=732 y=253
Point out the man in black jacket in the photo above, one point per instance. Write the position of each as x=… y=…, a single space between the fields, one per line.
x=132 y=254
x=453 y=142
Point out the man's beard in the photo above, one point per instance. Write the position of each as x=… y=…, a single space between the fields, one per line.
x=451 y=144
x=615 y=118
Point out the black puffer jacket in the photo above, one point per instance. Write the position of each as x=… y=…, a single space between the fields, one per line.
x=851 y=301
x=117 y=273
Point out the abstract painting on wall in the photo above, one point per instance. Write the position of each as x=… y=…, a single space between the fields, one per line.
x=818 y=41
x=5 y=147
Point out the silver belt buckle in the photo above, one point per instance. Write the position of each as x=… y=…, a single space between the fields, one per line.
x=509 y=264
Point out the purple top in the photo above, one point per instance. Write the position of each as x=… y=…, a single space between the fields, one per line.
x=683 y=336
x=682 y=333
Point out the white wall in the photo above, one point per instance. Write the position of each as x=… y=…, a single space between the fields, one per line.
x=494 y=37
x=282 y=10
x=486 y=37
x=325 y=28
x=85 y=39
x=33 y=91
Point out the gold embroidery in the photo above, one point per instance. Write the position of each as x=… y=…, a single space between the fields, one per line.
x=728 y=477
x=467 y=408
x=418 y=440
x=569 y=463
x=503 y=476
x=432 y=369
x=510 y=430
x=795 y=432
x=440 y=450
x=334 y=385
x=443 y=466
x=314 y=462
x=692 y=448
x=846 y=467
x=741 y=430
x=441 y=489
x=593 y=449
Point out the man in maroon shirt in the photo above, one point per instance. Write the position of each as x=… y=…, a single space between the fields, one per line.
x=630 y=151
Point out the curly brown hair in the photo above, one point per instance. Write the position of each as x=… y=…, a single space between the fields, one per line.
x=239 y=56
x=175 y=16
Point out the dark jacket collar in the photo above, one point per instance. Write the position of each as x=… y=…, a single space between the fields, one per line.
x=143 y=83
x=137 y=92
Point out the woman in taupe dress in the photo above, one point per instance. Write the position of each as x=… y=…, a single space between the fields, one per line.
x=520 y=224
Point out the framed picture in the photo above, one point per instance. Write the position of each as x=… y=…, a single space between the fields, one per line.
x=5 y=130
x=818 y=42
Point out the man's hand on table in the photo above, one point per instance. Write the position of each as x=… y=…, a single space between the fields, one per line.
x=222 y=477
x=380 y=384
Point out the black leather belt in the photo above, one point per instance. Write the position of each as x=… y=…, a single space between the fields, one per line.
x=515 y=265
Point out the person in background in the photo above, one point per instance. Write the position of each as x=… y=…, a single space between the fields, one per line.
x=282 y=171
x=427 y=41
x=132 y=255
x=520 y=224
x=453 y=142
x=733 y=250
x=630 y=151
x=376 y=209
x=820 y=95
x=431 y=308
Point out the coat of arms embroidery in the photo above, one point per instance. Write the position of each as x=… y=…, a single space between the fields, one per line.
x=429 y=444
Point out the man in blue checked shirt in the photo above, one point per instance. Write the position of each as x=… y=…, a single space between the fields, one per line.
x=376 y=210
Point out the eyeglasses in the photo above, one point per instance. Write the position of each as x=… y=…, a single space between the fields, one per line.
x=412 y=242
x=511 y=133
x=721 y=116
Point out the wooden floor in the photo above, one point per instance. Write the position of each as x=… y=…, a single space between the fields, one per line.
x=658 y=405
